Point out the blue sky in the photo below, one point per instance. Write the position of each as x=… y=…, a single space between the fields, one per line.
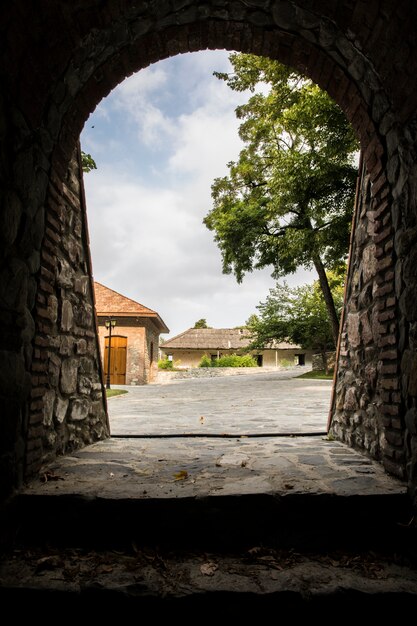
x=159 y=140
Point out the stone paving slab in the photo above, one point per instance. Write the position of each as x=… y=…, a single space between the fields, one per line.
x=199 y=467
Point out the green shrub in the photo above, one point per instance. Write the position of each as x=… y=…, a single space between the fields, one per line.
x=233 y=360
x=165 y=364
x=205 y=361
x=229 y=360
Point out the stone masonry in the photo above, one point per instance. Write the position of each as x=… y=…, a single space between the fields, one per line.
x=57 y=61
x=67 y=408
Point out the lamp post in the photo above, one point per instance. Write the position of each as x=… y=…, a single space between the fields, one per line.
x=109 y=324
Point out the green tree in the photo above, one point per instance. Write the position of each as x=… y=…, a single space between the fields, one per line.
x=288 y=200
x=298 y=315
x=201 y=324
x=87 y=162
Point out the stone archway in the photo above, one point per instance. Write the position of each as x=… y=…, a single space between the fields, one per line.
x=59 y=61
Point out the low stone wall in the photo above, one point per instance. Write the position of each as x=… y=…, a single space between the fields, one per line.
x=318 y=361
x=166 y=376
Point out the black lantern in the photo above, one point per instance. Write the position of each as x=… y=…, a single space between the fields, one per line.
x=109 y=324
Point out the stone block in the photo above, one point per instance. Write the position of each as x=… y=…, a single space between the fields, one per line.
x=66 y=345
x=10 y=217
x=81 y=346
x=48 y=407
x=14 y=379
x=14 y=284
x=74 y=250
x=67 y=316
x=411 y=421
x=405 y=240
x=79 y=409
x=284 y=15
x=408 y=303
x=84 y=384
x=54 y=370
x=351 y=401
x=366 y=329
x=61 y=408
x=353 y=329
x=84 y=315
x=69 y=373
x=412 y=381
x=97 y=409
x=64 y=274
x=53 y=308
x=81 y=285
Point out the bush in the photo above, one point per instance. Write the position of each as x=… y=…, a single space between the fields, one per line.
x=165 y=364
x=205 y=361
x=233 y=360
x=230 y=360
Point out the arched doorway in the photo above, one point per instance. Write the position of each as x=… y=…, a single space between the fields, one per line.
x=91 y=51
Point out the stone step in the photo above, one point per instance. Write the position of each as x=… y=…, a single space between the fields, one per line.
x=235 y=586
x=229 y=557
x=295 y=521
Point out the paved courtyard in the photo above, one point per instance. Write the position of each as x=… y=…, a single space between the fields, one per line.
x=274 y=402
x=151 y=456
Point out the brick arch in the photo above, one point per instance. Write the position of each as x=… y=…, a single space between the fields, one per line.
x=339 y=68
x=322 y=62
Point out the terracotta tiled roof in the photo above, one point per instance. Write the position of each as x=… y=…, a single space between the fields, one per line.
x=110 y=302
x=216 y=339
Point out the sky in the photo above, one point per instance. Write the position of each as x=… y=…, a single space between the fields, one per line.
x=159 y=140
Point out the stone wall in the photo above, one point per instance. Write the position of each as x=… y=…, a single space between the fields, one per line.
x=68 y=407
x=166 y=376
x=318 y=363
x=375 y=405
x=367 y=398
x=400 y=415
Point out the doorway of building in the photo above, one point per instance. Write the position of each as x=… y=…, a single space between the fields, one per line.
x=118 y=354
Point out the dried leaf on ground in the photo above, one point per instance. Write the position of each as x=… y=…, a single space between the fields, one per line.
x=47 y=562
x=50 y=475
x=209 y=568
x=181 y=475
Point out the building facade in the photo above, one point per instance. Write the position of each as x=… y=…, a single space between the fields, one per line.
x=187 y=348
x=133 y=357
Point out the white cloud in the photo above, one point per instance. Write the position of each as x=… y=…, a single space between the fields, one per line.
x=135 y=98
x=147 y=237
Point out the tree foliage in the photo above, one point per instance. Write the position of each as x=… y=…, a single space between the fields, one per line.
x=202 y=323
x=87 y=162
x=298 y=315
x=287 y=201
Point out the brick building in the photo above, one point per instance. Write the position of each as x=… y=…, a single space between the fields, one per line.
x=134 y=340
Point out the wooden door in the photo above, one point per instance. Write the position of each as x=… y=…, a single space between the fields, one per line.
x=118 y=357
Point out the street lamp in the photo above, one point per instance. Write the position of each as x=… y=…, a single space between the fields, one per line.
x=109 y=324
